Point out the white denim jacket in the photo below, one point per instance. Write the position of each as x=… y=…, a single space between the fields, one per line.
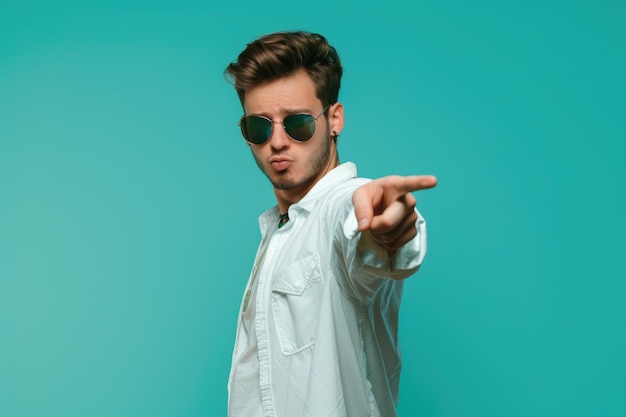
x=325 y=312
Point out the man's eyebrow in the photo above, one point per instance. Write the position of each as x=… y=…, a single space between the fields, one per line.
x=293 y=110
x=284 y=112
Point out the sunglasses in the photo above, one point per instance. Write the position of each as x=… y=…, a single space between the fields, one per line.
x=299 y=127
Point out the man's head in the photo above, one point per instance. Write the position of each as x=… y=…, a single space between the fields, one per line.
x=281 y=54
x=288 y=84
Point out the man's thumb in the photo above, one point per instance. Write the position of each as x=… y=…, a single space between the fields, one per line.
x=362 y=208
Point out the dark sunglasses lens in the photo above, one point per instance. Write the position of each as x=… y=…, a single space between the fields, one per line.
x=300 y=127
x=256 y=129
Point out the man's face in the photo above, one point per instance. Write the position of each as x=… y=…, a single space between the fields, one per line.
x=292 y=167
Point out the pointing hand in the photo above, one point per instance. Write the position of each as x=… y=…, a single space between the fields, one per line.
x=385 y=208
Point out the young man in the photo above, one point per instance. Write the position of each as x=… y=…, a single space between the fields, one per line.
x=317 y=331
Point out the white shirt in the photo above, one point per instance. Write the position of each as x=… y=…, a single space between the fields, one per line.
x=319 y=335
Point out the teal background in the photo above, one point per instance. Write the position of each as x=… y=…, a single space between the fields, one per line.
x=129 y=201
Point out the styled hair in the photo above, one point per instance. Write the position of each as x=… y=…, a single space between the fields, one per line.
x=281 y=54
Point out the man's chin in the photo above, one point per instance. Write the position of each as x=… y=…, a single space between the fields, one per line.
x=284 y=185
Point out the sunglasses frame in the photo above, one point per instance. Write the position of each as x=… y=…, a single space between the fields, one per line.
x=282 y=123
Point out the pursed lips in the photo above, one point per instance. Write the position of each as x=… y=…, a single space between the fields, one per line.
x=280 y=163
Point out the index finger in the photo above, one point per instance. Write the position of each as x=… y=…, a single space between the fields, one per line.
x=412 y=183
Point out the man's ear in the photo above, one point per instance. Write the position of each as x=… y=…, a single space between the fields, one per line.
x=335 y=118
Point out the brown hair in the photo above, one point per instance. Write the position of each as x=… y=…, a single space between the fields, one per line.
x=281 y=54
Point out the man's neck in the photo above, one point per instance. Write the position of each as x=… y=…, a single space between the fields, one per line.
x=286 y=198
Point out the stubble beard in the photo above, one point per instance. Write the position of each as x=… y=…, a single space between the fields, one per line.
x=317 y=163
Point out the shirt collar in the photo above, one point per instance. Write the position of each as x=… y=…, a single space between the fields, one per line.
x=335 y=176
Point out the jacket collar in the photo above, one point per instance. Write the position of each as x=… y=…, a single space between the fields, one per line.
x=335 y=176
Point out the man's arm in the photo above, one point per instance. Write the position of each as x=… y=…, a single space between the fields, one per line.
x=383 y=236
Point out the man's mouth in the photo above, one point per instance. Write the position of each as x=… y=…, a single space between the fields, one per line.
x=280 y=164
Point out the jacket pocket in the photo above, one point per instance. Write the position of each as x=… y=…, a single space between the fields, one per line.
x=296 y=296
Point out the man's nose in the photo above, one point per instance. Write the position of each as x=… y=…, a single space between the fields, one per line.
x=279 y=138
